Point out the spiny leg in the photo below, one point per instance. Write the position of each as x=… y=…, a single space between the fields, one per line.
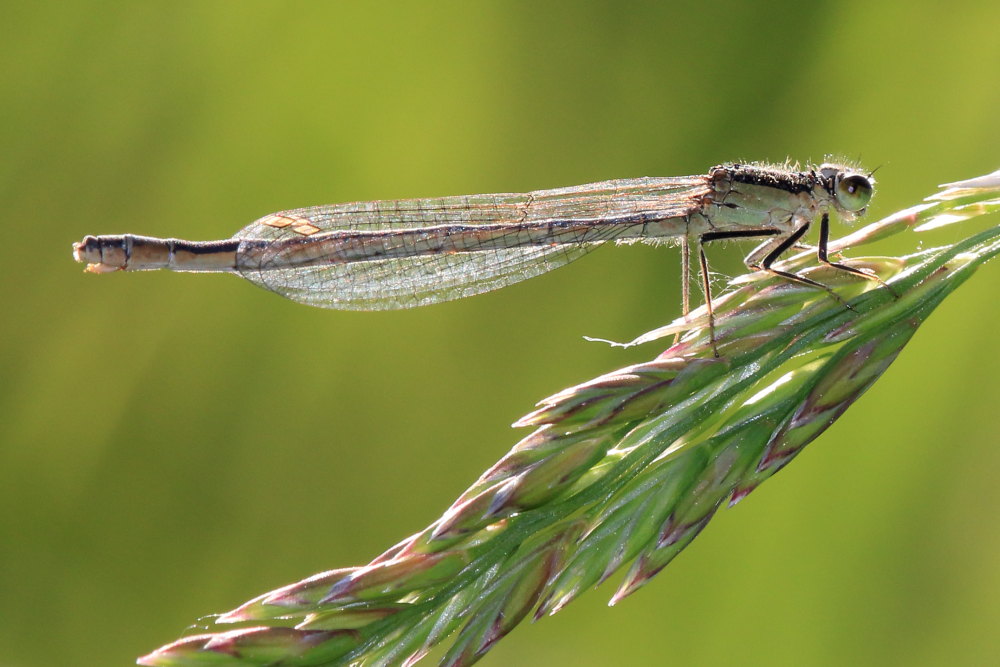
x=821 y=255
x=685 y=281
x=707 y=289
x=772 y=250
x=686 y=276
x=703 y=261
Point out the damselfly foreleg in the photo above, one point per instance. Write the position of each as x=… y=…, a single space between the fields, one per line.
x=821 y=255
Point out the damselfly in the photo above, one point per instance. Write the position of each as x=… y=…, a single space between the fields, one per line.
x=382 y=255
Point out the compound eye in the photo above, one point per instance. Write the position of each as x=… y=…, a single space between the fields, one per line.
x=854 y=192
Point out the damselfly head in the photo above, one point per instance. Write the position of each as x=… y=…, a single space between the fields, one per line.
x=852 y=190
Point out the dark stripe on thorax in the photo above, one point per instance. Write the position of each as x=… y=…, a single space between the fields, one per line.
x=794 y=182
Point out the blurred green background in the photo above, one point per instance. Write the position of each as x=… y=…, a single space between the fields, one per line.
x=172 y=445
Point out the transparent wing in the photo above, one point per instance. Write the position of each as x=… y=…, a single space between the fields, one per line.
x=297 y=253
x=415 y=281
